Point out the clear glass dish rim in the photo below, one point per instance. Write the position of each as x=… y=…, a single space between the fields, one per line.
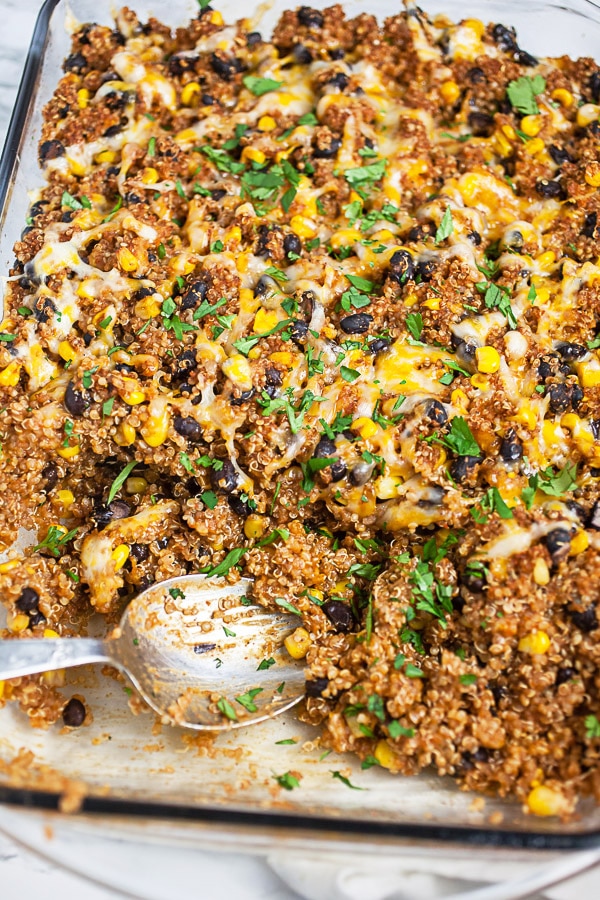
x=220 y=817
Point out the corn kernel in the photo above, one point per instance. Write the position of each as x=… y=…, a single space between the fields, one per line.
x=50 y=633
x=386 y=487
x=237 y=369
x=187 y=136
x=106 y=156
x=156 y=427
x=77 y=168
x=459 y=399
x=562 y=96
x=266 y=123
x=541 y=572
x=148 y=308
x=136 y=485
x=450 y=92
x=125 y=435
x=297 y=644
x=69 y=452
x=1 y=690
x=592 y=174
x=216 y=18
x=127 y=260
x=65 y=498
x=488 y=359
x=385 y=755
x=134 y=398
x=475 y=25
x=253 y=154
x=265 y=320
x=66 y=351
x=546 y=259
x=254 y=526
x=510 y=132
x=9 y=377
x=432 y=303
x=120 y=555
x=579 y=543
x=587 y=114
x=303 y=227
x=345 y=237
x=149 y=175
x=544 y=801
x=502 y=144
x=366 y=427
x=8 y=566
x=54 y=678
x=537 y=643
x=234 y=235
x=283 y=357
x=531 y=125
x=589 y=375
x=534 y=146
x=17 y=623
x=83 y=97
x=189 y=93
x=526 y=416
x=481 y=382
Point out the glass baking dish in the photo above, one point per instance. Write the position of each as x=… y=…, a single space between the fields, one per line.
x=226 y=786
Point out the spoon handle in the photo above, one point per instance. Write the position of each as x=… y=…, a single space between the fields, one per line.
x=27 y=657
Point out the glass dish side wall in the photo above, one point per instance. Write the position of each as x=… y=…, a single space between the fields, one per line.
x=130 y=768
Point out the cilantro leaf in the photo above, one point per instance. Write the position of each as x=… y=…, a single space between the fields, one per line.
x=460 y=438
x=361 y=284
x=287 y=781
x=346 y=781
x=366 y=175
x=349 y=375
x=222 y=160
x=414 y=323
x=260 y=86
x=397 y=730
x=120 y=481
x=445 y=228
x=522 y=93
x=224 y=706
x=231 y=560
x=592 y=727
x=247 y=700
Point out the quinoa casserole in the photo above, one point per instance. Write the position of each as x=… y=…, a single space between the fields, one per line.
x=324 y=311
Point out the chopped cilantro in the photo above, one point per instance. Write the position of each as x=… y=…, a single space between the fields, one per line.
x=346 y=781
x=247 y=700
x=227 y=709
x=56 y=540
x=414 y=323
x=222 y=568
x=265 y=664
x=364 y=176
x=592 y=727
x=467 y=679
x=397 y=730
x=445 y=228
x=522 y=93
x=287 y=781
x=120 y=481
x=260 y=86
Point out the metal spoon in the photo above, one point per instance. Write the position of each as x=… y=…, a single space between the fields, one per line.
x=200 y=653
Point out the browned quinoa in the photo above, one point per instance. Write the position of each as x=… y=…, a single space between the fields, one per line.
x=333 y=301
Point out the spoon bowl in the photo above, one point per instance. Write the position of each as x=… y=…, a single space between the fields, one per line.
x=197 y=649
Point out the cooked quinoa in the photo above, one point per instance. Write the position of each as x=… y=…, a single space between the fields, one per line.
x=323 y=311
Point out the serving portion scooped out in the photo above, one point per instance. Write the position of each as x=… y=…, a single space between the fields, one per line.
x=321 y=311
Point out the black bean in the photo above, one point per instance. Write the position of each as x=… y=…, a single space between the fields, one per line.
x=50 y=150
x=223 y=67
x=187 y=427
x=481 y=124
x=560 y=398
x=37 y=208
x=139 y=552
x=357 y=323
x=338 y=470
x=178 y=64
x=462 y=467
x=109 y=76
x=194 y=294
x=310 y=18
x=546 y=188
x=511 y=448
x=558 y=542
x=589 y=225
x=575 y=507
x=273 y=377
x=123 y=367
x=50 y=474
x=330 y=151
x=226 y=479
x=465 y=352
x=104 y=515
x=316 y=686
x=162 y=543
x=29 y=601
x=594 y=128
x=302 y=55
x=238 y=505
x=417 y=233
x=325 y=447
x=524 y=58
x=594 y=518
x=292 y=244
x=340 y=615
x=379 y=345
x=37 y=618
x=75 y=63
x=75 y=402
x=570 y=351
x=361 y=473
x=434 y=411
x=559 y=154
x=253 y=38
x=476 y=75
x=402 y=266
x=472 y=581
x=185 y=364
x=547 y=366
x=115 y=100
x=243 y=398
x=340 y=81
x=499 y=692
x=426 y=269
x=475 y=238
x=576 y=396
x=299 y=331
x=586 y=621
x=336 y=53
x=506 y=38
x=74 y=713
x=564 y=674
x=595 y=86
